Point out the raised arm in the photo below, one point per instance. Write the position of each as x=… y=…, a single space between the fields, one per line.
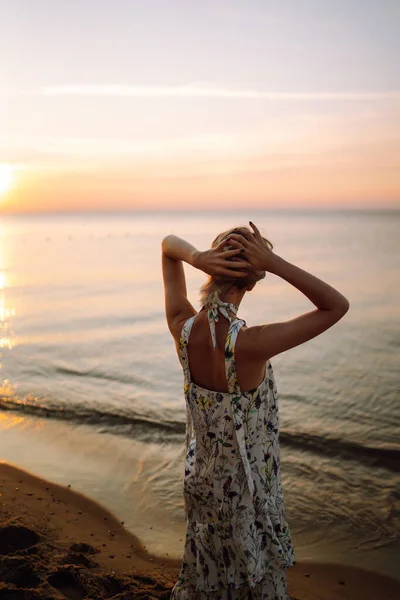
x=177 y=306
x=213 y=262
x=269 y=340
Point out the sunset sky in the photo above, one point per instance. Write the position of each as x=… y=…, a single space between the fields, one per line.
x=127 y=104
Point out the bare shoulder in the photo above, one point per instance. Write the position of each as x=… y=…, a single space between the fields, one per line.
x=259 y=342
x=249 y=342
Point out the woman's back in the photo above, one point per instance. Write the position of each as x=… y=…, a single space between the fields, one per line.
x=207 y=364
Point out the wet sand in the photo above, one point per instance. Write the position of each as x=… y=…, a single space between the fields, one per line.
x=56 y=543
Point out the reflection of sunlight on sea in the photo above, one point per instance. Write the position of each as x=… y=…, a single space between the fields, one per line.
x=7 y=421
x=7 y=340
x=6 y=315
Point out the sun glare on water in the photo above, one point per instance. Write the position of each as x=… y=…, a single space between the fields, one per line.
x=6 y=178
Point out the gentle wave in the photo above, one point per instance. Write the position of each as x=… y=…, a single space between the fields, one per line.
x=140 y=381
x=149 y=429
x=345 y=449
x=112 y=422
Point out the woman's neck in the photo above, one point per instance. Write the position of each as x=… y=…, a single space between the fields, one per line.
x=234 y=296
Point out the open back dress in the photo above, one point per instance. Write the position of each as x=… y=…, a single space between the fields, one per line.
x=238 y=542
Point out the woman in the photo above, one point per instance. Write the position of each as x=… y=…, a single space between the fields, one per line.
x=238 y=542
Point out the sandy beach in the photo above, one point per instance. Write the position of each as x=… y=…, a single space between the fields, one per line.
x=56 y=543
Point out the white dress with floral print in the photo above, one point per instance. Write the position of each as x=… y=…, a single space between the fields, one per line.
x=238 y=542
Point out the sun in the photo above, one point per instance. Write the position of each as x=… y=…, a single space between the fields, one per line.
x=6 y=178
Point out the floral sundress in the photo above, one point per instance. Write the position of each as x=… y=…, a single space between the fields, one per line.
x=238 y=543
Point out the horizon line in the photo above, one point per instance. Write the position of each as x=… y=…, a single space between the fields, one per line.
x=368 y=209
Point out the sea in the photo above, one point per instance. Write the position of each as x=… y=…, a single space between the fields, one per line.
x=92 y=390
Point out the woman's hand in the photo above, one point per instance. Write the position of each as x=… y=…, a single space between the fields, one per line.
x=258 y=255
x=220 y=262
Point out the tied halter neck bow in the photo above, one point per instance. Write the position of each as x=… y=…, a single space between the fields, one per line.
x=213 y=317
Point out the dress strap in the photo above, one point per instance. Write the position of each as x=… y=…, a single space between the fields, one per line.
x=235 y=391
x=213 y=310
x=183 y=344
x=230 y=363
x=184 y=358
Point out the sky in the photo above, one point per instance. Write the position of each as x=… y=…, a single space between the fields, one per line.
x=191 y=104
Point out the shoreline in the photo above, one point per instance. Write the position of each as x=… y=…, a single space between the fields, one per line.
x=63 y=544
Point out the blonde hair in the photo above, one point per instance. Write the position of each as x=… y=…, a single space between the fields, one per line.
x=212 y=290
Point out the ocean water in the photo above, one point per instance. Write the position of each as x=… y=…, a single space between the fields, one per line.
x=92 y=393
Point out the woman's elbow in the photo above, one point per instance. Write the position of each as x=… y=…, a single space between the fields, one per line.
x=164 y=242
x=343 y=307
